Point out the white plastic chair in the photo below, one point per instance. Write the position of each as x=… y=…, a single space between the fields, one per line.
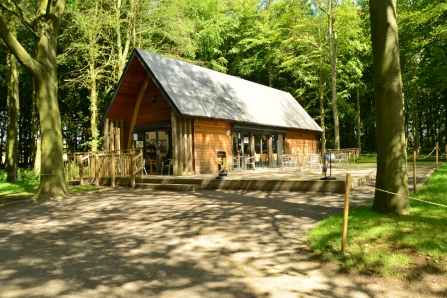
x=287 y=162
x=250 y=161
x=231 y=161
x=313 y=161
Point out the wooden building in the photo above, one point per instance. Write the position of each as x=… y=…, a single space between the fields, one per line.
x=194 y=115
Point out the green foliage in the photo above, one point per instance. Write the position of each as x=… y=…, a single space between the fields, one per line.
x=25 y=175
x=282 y=43
x=389 y=245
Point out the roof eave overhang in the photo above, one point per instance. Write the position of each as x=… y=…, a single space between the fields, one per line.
x=117 y=88
x=158 y=84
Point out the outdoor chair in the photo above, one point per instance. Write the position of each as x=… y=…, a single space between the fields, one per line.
x=166 y=164
x=342 y=158
x=151 y=164
x=250 y=161
x=231 y=161
x=313 y=161
x=287 y=162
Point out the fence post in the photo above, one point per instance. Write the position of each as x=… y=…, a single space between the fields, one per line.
x=142 y=163
x=132 y=168
x=69 y=168
x=346 y=212
x=112 y=170
x=96 y=169
x=414 y=171
x=437 y=147
x=81 y=170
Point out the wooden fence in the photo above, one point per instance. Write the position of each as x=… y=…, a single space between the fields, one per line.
x=110 y=164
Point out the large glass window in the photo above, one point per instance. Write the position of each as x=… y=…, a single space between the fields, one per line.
x=241 y=147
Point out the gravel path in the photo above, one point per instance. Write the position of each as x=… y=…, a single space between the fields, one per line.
x=139 y=243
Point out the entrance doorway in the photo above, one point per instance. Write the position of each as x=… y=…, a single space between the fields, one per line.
x=158 y=149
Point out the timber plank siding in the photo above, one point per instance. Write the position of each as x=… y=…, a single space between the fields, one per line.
x=210 y=137
x=305 y=141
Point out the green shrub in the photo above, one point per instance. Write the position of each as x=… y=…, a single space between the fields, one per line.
x=25 y=175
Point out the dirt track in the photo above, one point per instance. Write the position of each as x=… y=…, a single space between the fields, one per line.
x=139 y=243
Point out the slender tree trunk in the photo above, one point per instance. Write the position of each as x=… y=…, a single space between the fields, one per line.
x=122 y=52
x=416 y=144
x=12 y=145
x=35 y=132
x=333 y=51
x=391 y=154
x=322 y=85
x=359 y=120
x=93 y=86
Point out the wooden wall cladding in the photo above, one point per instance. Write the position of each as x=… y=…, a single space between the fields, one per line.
x=305 y=141
x=129 y=88
x=153 y=112
x=210 y=137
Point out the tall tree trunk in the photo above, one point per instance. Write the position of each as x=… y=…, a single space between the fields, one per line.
x=322 y=84
x=47 y=15
x=35 y=147
x=333 y=51
x=122 y=52
x=391 y=154
x=416 y=144
x=12 y=145
x=93 y=84
x=359 y=120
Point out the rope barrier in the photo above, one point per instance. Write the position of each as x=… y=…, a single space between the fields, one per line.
x=429 y=153
x=441 y=205
x=52 y=174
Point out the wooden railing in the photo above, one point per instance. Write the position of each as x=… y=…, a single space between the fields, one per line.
x=105 y=164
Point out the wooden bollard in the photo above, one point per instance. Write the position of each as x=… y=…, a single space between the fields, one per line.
x=81 y=170
x=346 y=212
x=414 y=172
x=96 y=170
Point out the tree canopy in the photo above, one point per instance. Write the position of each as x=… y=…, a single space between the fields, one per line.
x=285 y=44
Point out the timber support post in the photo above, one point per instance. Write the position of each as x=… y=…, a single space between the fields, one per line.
x=96 y=169
x=132 y=167
x=68 y=168
x=112 y=170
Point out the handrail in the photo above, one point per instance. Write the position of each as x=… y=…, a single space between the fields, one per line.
x=112 y=164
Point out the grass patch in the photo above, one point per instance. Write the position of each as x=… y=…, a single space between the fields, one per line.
x=27 y=186
x=388 y=245
x=17 y=191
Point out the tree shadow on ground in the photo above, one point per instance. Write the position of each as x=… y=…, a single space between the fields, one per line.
x=139 y=243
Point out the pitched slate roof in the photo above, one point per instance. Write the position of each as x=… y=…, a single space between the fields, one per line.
x=199 y=92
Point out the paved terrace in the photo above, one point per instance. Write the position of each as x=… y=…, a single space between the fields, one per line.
x=263 y=179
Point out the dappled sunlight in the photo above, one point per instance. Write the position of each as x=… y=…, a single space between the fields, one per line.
x=143 y=243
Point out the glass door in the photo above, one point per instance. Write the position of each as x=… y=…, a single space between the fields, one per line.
x=158 y=148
